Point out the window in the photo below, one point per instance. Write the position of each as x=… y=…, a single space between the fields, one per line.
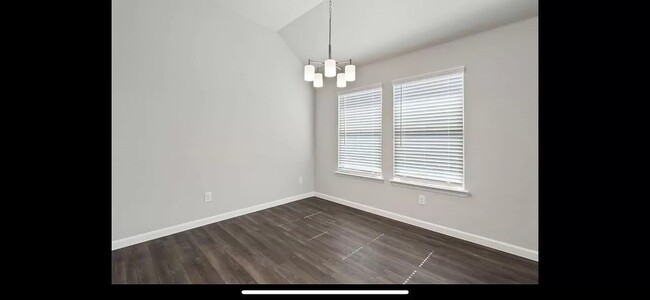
x=428 y=130
x=360 y=132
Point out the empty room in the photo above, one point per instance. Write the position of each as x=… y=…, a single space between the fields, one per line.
x=324 y=142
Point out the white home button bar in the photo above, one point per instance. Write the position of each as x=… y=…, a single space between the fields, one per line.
x=325 y=292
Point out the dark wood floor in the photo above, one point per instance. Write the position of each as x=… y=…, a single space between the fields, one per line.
x=315 y=241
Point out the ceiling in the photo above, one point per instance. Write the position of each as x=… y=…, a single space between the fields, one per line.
x=273 y=14
x=371 y=30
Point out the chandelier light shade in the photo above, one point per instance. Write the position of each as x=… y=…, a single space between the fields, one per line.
x=329 y=67
x=309 y=72
x=340 y=80
x=350 y=73
x=318 y=80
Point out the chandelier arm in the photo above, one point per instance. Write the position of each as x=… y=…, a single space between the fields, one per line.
x=310 y=61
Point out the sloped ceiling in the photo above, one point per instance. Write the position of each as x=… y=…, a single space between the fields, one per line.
x=273 y=14
x=371 y=30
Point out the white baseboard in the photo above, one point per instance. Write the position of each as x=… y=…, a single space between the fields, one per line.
x=481 y=240
x=147 y=236
x=509 y=248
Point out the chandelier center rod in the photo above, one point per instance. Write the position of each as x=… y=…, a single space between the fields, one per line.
x=330 y=34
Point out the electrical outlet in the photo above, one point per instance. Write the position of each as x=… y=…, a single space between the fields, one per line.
x=300 y=180
x=422 y=200
x=208 y=197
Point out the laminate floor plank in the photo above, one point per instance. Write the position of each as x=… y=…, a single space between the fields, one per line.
x=139 y=265
x=196 y=265
x=253 y=260
x=166 y=258
x=119 y=266
x=227 y=268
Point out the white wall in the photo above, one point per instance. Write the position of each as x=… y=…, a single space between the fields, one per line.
x=203 y=100
x=501 y=137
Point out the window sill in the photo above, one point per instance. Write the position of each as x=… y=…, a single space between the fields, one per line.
x=374 y=178
x=454 y=191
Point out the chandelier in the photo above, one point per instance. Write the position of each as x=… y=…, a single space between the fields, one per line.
x=314 y=69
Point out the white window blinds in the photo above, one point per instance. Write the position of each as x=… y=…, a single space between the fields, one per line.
x=428 y=128
x=360 y=131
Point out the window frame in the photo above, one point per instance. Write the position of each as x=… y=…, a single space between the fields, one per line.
x=440 y=186
x=361 y=174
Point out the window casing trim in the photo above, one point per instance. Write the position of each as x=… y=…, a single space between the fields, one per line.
x=440 y=188
x=360 y=89
x=376 y=177
x=429 y=75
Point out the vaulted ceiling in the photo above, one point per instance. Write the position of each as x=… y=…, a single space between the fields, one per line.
x=371 y=30
x=273 y=14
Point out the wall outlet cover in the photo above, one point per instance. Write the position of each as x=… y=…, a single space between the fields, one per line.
x=207 y=197
x=422 y=200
